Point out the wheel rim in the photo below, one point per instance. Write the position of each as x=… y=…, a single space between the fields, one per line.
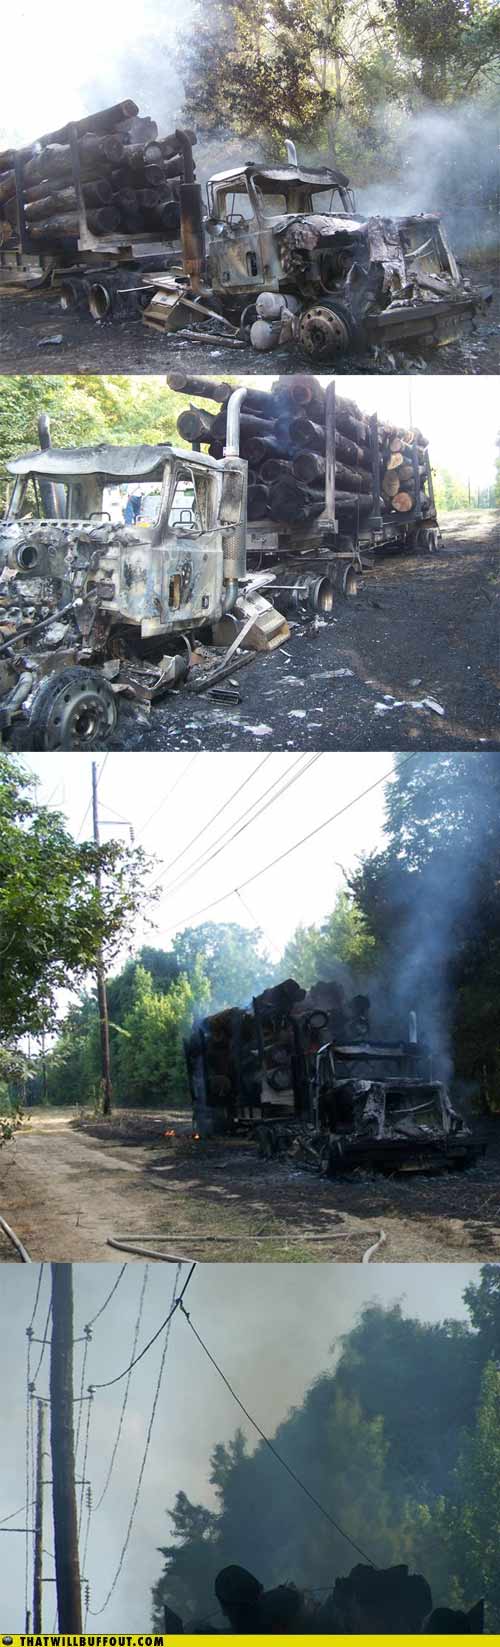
x=79 y=718
x=323 y=332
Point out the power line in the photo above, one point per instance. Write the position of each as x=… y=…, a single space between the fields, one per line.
x=145 y=1278
x=280 y=785
x=37 y=1295
x=169 y=793
x=44 y=1342
x=88 y=1336
x=84 y=1462
x=238 y=791
x=165 y=1323
x=286 y=854
x=272 y=1448
x=96 y=1611
x=107 y=1300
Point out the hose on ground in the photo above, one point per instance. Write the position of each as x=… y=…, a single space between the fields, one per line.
x=370 y=1250
x=23 y=1254
x=147 y=1252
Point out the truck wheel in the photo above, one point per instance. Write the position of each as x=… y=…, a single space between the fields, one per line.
x=326 y=330
x=75 y=709
x=350 y=582
x=428 y=539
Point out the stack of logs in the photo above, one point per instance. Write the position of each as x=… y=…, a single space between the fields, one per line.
x=282 y=436
x=398 y=448
x=130 y=179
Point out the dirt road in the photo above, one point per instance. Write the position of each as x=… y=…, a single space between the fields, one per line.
x=422 y=626
x=36 y=335
x=65 y=1191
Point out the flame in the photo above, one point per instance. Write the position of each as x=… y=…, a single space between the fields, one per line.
x=170 y=1133
x=196 y=1137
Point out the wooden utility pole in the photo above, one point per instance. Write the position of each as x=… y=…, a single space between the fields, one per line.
x=102 y=997
x=38 y=1555
x=69 y=1600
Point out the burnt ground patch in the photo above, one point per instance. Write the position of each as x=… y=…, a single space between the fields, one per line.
x=27 y=324
x=422 y=626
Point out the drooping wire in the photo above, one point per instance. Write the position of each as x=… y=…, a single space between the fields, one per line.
x=87 y=1529
x=27 y=1475
x=44 y=1341
x=37 y=1295
x=258 y=873
x=85 y=1457
x=145 y=1278
x=96 y=1611
x=108 y=1299
x=88 y=1337
x=165 y=1323
x=272 y=1448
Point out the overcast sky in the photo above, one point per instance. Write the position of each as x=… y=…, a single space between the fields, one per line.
x=185 y=793
x=248 y=1316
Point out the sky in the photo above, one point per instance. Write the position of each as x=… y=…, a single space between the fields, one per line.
x=168 y=798
x=70 y=62
x=248 y=1316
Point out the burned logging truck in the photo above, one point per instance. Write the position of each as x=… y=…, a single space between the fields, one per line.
x=109 y=214
x=300 y=1071
x=284 y=252
x=89 y=209
x=269 y=524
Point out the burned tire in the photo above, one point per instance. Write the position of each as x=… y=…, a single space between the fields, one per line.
x=326 y=329
x=74 y=710
x=428 y=538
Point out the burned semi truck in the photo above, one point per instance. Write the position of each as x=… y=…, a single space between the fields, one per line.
x=88 y=209
x=94 y=609
x=284 y=254
x=300 y=1071
x=103 y=205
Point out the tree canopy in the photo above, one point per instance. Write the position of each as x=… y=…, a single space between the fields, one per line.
x=53 y=916
x=398 y=1439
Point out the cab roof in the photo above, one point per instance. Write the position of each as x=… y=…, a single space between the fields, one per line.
x=117 y=463
x=319 y=176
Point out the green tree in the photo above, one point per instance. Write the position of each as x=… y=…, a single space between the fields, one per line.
x=342 y=940
x=53 y=918
x=460 y=1535
x=150 y=1054
x=431 y=899
x=234 y=961
x=86 y=410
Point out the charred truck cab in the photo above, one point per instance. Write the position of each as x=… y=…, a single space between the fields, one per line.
x=300 y=1071
x=84 y=592
x=290 y=237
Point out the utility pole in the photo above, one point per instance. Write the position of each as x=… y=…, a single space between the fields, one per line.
x=69 y=1600
x=38 y=1556
x=100 y=974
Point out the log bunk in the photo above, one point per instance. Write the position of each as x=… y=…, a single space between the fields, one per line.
x=382 y=474
x=109 y=174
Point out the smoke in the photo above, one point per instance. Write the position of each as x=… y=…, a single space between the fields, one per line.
x=447 y=161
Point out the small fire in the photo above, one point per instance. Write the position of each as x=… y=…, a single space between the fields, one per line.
x=170 y=1133
x=196 y=1137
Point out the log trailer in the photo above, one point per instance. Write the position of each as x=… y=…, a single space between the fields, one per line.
x=92 y=609
x=299 y=1071
x=101 y=207
x=88 y=209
